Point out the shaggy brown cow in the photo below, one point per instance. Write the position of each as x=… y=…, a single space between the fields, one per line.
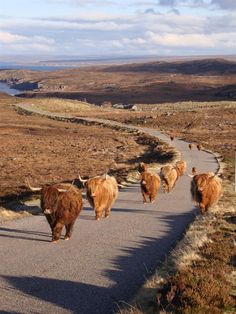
x=101 y=192
x=169 y=176
x=206 y=189
x=194 y=171
x=61 y=205
x=150 y=183
x=181 y=166
x=199 y=147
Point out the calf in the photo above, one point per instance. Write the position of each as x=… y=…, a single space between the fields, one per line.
x=61 y=204
x=150 y=183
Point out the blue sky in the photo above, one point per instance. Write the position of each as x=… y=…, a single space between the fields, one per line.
x=81 y=28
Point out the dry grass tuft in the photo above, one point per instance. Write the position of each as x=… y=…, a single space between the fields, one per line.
x=7 y=214
x=57 y=105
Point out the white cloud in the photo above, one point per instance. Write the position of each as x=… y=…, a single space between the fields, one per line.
x=15 y=42
x=6 y=37
x=141 y=32
x=181 y=40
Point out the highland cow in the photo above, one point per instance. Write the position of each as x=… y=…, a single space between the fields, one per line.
x=169 y=176
x=206 y=190
x=61 y=204
x=150 y=183
x=181 y=166
x=199 y=147
x=194 y=171
x=101 y=193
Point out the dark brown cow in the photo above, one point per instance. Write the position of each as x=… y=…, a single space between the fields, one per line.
x=206 y=189
x=194 y=171
x=199 y=147
x=101 y=192
x=61 y=205
x=150 y=183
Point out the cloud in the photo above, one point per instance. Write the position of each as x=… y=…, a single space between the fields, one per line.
x=83 y=2
x=6 y=38
x=15 y=42
x=171 y=30
x=181 y=40
x=224 y=4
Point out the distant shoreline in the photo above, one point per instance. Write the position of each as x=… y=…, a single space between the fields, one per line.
x=60 y=63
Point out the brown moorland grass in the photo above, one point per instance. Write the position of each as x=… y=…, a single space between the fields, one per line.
x=48 y=151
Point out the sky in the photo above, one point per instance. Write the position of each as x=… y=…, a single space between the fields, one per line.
x=112 y=28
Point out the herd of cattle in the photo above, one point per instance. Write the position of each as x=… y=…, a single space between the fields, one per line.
x=62 y=203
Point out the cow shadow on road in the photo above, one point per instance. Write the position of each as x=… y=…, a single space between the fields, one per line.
x=25 y=234
x=127 y=272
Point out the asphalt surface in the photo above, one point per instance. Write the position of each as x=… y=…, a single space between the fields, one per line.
x=105 y=262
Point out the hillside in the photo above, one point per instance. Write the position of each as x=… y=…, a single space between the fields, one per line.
x=152 y=82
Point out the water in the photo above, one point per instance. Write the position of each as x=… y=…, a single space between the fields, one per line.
x=12 y=66
x=10 y=91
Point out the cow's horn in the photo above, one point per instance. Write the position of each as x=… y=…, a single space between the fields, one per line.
x=66 y=190
x=31 y=188
x=83 y=181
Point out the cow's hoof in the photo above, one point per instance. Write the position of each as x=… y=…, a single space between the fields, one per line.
x=67 y=238
x=106 y=216
x=97 y=218
x=54 y=241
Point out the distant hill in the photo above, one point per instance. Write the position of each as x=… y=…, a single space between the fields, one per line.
x=193 y=67
x=150 y=82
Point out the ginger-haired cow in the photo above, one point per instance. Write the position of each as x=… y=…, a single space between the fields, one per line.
x=101 y=193
x=169 y=176
x=150 y=183
x=181 y=166
x=206 y=190
x=61 y=204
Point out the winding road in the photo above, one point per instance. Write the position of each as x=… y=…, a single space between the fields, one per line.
x=105 y=262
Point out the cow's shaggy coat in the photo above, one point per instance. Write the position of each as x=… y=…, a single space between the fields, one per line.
x=181 y=166
x=150 y=183
x=206 y=190
x=61 y=205
x=169 y=176
x=101 y=193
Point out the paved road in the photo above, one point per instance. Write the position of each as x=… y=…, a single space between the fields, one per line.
x=104 y=262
